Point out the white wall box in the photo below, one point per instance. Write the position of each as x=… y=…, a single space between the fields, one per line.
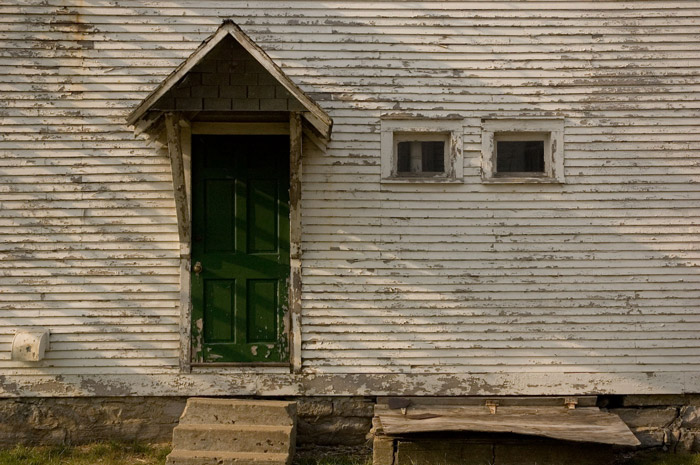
x=30 y=346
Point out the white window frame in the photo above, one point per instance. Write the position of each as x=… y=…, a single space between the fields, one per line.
x=395 y=131
x=551 y=131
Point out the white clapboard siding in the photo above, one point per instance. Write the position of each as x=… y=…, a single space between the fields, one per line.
x=598 y=275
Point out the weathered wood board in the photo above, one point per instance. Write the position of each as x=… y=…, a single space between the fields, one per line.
x=587 y=424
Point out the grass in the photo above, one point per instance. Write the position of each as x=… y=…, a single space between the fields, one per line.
x=118 y=453
x=103 y=453
x=666 y=459
x=340 y=460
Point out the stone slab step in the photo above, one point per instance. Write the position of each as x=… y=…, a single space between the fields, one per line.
x=186 y=457
x=233 y=438
x=201 y=410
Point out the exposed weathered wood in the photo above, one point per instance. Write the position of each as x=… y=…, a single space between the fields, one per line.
x=172 y=126
x=182 y=200
x=295 y=211
x=447 y=402
x=185 y=348
x=587 y=424
x=165 y=380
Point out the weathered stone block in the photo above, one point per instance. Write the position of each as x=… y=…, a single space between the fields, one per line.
x=690 y=417
x=204 y=410
x=687 y=441
x=215 y=437
x=659 y=417
x=80 y=420
x=353 y=407
x=333 y=430
x=314 y=407
x=651 y=437
x=383 y=451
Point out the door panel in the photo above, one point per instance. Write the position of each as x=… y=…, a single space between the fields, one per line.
x=262 y=305
x=220 y=197
x=240 y=226
x=219 y=302
x=262 y=216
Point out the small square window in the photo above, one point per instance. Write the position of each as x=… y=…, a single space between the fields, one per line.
x=519 y=156
x=522 y=151
x=415 y=157
x=421 y=150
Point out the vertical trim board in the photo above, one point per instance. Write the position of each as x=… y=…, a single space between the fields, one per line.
x=295 y=206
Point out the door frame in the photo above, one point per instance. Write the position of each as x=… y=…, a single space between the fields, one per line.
x=179 y=144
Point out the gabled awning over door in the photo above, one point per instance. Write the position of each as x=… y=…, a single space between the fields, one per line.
x=312 y=113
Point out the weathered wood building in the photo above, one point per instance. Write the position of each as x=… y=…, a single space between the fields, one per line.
x=438 y=198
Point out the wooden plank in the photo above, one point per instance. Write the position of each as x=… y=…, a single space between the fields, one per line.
x=295 y=212
x=384 y=404
x=586 y=424
x=164 y=380
x=178 y=175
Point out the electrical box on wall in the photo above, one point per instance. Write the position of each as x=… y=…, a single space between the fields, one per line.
x=30 y=346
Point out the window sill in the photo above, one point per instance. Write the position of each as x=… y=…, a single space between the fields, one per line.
x=420 y=180
x=521 y=180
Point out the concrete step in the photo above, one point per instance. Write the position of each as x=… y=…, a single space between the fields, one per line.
x=187 y=457
x=234 y=438
x=202 y=410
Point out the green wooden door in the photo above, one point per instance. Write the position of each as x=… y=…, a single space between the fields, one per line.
x=240 y=235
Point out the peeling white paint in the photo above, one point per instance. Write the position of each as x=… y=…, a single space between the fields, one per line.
x=466 y=289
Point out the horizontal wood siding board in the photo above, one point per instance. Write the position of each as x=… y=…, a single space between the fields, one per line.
x=407 y=282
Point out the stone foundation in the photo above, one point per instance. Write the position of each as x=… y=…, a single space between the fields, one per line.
x=330 y=421
x=334 y=420
x=51 y=421
x=666 y=422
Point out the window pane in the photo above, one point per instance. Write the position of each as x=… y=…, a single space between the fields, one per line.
x=520 y=156
x=433 y=156
x=403 y=158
